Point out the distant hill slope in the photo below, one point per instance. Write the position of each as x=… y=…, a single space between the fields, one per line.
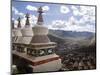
x=68 y=40
x=71 y=34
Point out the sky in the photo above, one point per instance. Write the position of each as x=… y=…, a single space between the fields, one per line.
x=66 y=17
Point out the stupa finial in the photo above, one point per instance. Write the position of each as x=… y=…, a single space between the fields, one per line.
x=27 y=20
x=19 y=22
x=13 y=24
x=40 y=18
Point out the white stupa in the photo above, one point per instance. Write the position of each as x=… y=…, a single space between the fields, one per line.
x=12 y=32
x=42 y=50
x=27 y=32
x=17 y=32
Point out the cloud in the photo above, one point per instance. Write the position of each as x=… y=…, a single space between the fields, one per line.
x=13 y=19
x=15 y=23
x=74 y=7
x=64 y=9
x=80 y=28
x=45 y=8
x=76 y=11
x=58 y=24
x=73 y=21
x=83 y=10
x=31 y=8
x=32 y=20
x=87 y=14
x=16 y=12
x=71 y=25
x=85 y=19
x=21 y=14
x=22 y=22
x=63 y=25
x=87 y=10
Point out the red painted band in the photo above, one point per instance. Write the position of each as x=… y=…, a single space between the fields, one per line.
x=44 y=61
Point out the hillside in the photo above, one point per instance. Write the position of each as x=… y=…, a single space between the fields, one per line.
x=71 y=42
